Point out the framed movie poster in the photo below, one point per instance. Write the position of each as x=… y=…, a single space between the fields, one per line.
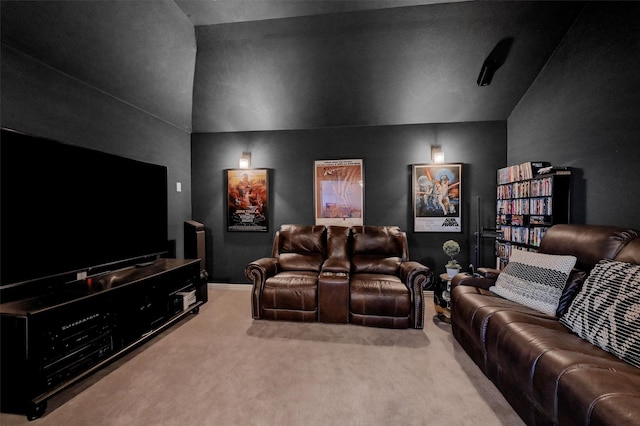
x=437 y=197
x=339 y=192
x=248 y=200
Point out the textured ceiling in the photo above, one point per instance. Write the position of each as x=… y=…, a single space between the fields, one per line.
x=407 y=65
x=141 y=52
x=273 y=65
x=211 y=12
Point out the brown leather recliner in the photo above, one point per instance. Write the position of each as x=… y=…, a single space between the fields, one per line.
x=286 y=284
x=385 y=286
x=339 y=274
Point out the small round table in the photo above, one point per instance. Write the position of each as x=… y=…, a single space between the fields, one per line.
x=442 y=298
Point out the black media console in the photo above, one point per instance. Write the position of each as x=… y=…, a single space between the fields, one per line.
x=51 y=341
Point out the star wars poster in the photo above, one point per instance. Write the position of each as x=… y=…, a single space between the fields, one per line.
x=247 y=200
x=437 y=195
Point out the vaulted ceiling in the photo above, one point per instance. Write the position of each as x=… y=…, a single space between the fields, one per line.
x=212 y=12
x=218 y=66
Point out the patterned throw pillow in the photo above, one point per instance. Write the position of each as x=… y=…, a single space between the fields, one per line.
x=606 y=312
x=534 y=279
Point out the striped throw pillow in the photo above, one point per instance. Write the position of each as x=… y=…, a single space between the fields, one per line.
x=606 y=311
x=534 y=279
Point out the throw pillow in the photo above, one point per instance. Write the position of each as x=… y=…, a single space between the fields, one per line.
x=606 y=312
x=534 y=279
x=571 y=289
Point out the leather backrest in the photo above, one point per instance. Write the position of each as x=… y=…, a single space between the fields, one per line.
x=338 y=240
x=630 y=253
x=589 y=243
x=378 y=249
x=300 y=247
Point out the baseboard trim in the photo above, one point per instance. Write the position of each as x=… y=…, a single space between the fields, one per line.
x=226 y=286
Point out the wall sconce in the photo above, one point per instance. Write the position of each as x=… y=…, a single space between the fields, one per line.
x=437 y=154
x=245 y=160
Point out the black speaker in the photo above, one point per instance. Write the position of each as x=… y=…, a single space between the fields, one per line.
x=194 y=242
x=486 y=73
x=495 y=60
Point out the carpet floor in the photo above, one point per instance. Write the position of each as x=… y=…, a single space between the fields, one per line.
x=221 y=367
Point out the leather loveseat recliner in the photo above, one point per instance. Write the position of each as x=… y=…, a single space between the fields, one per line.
x=359 y=275
x=385 y=287
x=547 y=373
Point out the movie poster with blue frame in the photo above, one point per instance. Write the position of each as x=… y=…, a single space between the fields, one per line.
x=437 y=197
x=247 y=200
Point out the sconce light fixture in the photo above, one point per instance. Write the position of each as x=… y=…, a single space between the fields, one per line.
x=245 y=160
x=437 y=154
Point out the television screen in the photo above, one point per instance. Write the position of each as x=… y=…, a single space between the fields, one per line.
x=67 y=209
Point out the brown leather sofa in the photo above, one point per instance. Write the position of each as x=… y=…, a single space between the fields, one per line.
x=360 y=275
x=548 y=374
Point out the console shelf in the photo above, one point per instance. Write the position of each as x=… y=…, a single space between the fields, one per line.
x=52 y=341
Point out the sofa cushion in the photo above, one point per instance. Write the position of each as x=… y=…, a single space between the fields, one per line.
x=535 y=351
x=291 y=290
x=598 y=396
x=535 y=280
x=389 y=241
x=589 y=243
x=375 y=264
x=301 y=247
x=379 y=294
x=300 y=262
x=606 y=312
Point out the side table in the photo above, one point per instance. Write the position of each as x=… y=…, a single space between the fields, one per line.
x=442 y=298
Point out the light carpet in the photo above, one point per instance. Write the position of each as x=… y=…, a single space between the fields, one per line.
x=221 y=367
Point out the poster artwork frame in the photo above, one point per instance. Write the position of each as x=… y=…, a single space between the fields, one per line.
x=248 y=200
x=431 y=212
x=338 y=192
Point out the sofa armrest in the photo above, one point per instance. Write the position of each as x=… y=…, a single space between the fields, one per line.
x=482 y=281
x=417 y=278
x=257 y=272
x=261 y=269
x=414 y=273
x=489 y=272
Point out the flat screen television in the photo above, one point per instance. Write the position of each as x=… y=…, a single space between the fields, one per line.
x=68 y=210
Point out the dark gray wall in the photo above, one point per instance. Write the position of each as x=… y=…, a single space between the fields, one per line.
x=388 y=152
x=40 y=100
x=583 y=111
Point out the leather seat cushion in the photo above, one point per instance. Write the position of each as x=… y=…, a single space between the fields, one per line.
x=598 y=396
x=379 y=294
x=291 y=290
x=538 y=351
x=474 y=308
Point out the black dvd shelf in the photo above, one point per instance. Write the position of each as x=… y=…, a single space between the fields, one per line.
x=527 y=204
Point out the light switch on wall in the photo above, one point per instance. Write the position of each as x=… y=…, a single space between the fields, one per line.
x=178 y=187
